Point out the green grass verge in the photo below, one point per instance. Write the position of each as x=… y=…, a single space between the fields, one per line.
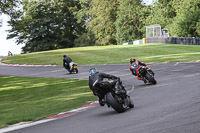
x=27 y=99
x=114 y=54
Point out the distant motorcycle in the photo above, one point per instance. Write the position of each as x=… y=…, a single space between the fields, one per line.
x=145 y=73
x=118 y=100
x=74 y=68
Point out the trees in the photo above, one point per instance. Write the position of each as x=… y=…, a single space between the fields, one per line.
x=45 y=25
x=187 y=21
x=129 y=23
x=53 y=24
x=162 y=12
x=101 y=19
x=6 y=7
x=85 y=37
x=181 y=17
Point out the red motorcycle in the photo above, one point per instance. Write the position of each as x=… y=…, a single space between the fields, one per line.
x=144 y=73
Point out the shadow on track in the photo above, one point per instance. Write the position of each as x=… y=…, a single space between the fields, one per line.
x=112 y=112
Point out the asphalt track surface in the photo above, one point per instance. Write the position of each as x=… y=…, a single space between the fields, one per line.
x=170 y=106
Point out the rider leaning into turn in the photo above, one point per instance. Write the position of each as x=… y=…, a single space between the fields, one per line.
x=67 y=62
x=95 y=78
x=132 y=67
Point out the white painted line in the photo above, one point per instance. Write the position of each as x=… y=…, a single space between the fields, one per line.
x=24 y=64
x=50 y=118
x=57 y=70
x=176 y=63
x=18 y=126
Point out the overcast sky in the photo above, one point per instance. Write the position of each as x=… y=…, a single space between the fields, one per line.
x=7 y=45
x=10 y=45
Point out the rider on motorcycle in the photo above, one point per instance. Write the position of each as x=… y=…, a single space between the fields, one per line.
x=67 y=62
x=134 y=66
x=95 y=78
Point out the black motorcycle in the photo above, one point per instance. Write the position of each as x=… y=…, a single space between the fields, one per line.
x=115 y=95
x=74 y=68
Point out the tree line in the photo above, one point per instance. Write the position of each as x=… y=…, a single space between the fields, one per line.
x=53 y=24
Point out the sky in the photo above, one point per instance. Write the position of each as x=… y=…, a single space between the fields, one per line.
x=148 y=2
x=7 y=45
x=10 y=45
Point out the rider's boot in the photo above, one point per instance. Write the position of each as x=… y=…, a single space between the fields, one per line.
x=101 y=102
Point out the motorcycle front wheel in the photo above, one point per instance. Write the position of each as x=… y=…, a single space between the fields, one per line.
x=150 y=78
x=76 y=70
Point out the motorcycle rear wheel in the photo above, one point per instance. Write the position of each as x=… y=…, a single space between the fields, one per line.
x=114 y=103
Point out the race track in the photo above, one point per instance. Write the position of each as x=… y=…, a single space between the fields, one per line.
x=171 y=106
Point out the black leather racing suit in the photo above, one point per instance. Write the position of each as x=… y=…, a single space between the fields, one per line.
x=66 y=62
x=97 y=78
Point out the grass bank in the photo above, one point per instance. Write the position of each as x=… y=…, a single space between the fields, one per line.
x=114 y=54
x=27 y=99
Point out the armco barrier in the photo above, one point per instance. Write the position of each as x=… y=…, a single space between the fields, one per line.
x=174 y=40
x=135 y=42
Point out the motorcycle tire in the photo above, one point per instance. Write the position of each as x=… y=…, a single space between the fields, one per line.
x=150 y=78
x=114 y=103
x=154 y=82
x=76 y=70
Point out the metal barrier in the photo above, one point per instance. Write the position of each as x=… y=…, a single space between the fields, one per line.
x=174 y=40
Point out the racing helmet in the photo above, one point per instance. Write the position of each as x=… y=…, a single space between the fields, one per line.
x=132 y=60
x=93 y=71
x=64 y=55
